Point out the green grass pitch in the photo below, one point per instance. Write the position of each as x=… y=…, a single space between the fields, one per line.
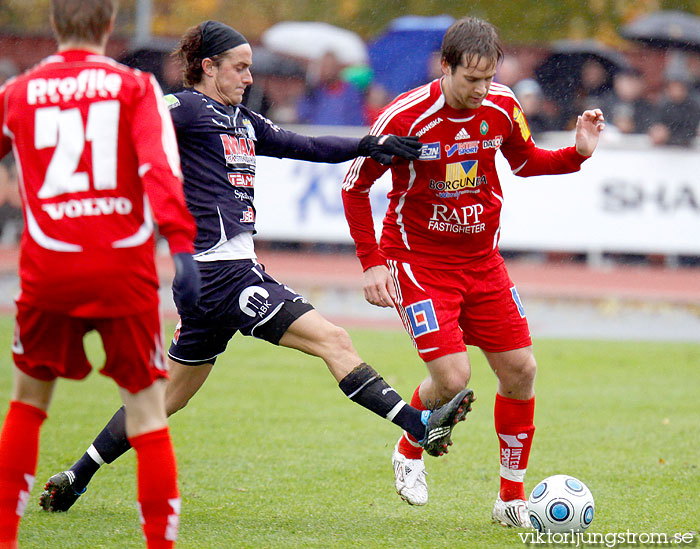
x=271 y=453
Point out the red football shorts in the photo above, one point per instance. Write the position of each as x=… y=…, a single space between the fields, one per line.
x=49 y=345
x=445 y=310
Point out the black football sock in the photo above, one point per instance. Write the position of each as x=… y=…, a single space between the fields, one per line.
x=367 y=388
x=108 y=446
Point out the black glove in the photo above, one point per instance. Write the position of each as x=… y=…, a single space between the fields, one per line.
x=187 y=284
x=383 y=147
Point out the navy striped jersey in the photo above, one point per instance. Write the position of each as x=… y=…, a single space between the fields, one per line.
x=218 y=145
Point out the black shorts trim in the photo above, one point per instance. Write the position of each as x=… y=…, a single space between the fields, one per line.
x=275 y=327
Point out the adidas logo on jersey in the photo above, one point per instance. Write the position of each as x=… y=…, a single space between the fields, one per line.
x=462 y=134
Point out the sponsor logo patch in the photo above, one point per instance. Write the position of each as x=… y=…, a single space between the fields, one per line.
x=519 y=117
x=422 y=317
x=238 y=150
x=465 y=219
x=460 y=178
x=494 y=143
x=89 y=83
x=510 y=457
x=171 y=101
x=253 y=301
x=241 y=180
x=248 y=215
x=469 y=147
x=106 y=205
x=430 y=151
x=464 y=174
x=429 y=126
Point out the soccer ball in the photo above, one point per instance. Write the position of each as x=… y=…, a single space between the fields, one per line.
x=561 y=503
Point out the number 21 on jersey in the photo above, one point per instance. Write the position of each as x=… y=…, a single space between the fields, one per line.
x=64 y=130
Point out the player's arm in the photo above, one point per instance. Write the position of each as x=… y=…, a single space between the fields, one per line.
x=527 y=160
x=378 y=286
x=275 y=141
x=155 y=143
x=154 y=139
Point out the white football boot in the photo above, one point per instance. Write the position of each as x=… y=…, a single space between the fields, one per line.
x=511 y=513
x=409 y=475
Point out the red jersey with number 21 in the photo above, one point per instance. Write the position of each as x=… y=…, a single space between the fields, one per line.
x=444 y=208
x=96 y=155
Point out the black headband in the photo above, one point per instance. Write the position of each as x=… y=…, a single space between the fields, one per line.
x=217 y=38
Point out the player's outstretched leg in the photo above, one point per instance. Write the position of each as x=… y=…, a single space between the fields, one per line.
x=59 y=493
x=438 y=429
x=112 y=441
x=63 y=489
x=511 y=513
x=314 y=335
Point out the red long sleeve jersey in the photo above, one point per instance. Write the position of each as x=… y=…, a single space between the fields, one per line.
x=444 y=208
x=96 y=153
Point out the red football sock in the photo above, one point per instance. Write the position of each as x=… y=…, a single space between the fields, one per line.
x=408 y=446
x=159 y=500
x=515 y=429
x=19 y=450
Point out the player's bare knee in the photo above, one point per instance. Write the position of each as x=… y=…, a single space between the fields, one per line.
x=521 y=372
x=449 y=386
x=336 y=341
x=527 y=370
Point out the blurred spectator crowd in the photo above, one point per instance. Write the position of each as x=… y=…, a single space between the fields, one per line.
x=328 y=93
x=326 y=90
x=649 y=93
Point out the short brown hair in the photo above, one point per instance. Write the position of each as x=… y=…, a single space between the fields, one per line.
x=82 y=20
x=469 y=39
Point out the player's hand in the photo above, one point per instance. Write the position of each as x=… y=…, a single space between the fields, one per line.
x=588 y=128
x=379 y=287
x=187 y=284
x=383 y=148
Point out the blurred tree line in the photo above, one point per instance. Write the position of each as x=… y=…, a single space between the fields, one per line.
x=519 y=21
